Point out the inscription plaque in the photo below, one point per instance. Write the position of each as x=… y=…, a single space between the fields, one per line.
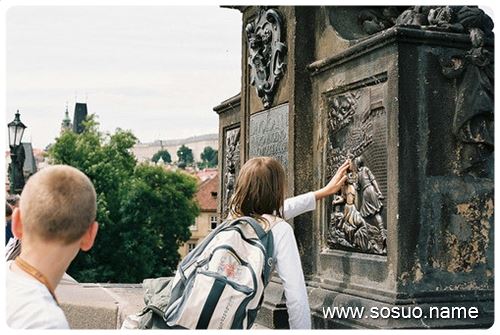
x=357 y=129
x=269 y=134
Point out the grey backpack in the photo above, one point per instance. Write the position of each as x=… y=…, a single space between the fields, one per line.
x=220 y=284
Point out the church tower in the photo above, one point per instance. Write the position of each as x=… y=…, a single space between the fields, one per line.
x=79 y=116
x=66 y=122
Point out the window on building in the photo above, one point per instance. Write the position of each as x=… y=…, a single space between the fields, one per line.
x=213 y=222
x=191 y=246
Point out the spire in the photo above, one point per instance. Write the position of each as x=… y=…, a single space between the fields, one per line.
x=66 y=122
x=66 y=114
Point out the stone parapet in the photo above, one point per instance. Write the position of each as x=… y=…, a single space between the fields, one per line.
x=101 y=305
x=98 y=306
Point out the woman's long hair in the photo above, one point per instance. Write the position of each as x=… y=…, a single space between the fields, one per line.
x=260 y=189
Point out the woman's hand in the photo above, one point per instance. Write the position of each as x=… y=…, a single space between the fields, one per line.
x=335 y=183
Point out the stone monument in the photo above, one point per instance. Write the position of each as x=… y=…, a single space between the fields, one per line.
x=407 y=94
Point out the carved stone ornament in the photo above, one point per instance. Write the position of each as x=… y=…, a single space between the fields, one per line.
x=473 y=121
x=266 y=53
x=354 y=23
x=458 y=19
x=375 y=19
x=231 y=166
x=341 y=110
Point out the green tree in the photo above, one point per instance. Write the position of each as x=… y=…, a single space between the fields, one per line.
x=185 y=155
x=164 y=154
x=157 y=212
x=144 y=212
x=208 y=157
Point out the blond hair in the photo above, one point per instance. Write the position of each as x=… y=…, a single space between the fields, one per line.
x=58 y=203
x=260 y=189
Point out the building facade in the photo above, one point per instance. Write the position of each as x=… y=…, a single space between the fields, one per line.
x=208 y=218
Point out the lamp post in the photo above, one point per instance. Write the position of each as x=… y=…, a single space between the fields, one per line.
x=16 y=131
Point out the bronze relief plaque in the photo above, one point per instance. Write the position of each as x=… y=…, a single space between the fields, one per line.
x=231 y=166
x=357 y=129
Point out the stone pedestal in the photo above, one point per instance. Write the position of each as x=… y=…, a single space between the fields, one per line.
x=438 y=206
x=408 y=96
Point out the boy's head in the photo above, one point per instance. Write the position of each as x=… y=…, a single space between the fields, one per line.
x=58 y=204
x=260 y=188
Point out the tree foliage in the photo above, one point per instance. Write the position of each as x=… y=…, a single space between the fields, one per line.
x=156 y=214
x=164 y=154
x=185 y=155
x=208 y=157
x=144 y=212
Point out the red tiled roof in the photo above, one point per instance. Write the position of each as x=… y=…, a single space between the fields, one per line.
x=206 y=173
x=204 y=196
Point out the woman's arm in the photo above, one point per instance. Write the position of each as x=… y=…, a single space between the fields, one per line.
x=335 y=183
x=307 y=202
x=298 y=205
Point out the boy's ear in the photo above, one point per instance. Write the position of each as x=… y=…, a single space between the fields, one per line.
x=17 y=225
x=87 y=240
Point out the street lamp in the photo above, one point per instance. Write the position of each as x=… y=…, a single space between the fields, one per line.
x=16 y=131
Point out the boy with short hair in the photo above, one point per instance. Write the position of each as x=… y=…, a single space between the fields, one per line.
x=55 y=219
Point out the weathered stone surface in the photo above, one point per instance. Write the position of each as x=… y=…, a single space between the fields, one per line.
x=273 y=313
x=438 y=241
x=98 y=306
x=409 y=89
x=87 y=307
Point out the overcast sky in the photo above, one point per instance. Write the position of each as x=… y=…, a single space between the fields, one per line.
x=158 y=71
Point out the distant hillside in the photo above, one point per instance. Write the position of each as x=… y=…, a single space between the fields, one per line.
x=144 y=151
x=199 y=138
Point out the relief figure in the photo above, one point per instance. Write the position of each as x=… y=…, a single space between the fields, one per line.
x=371 y=196
x=232 y=160
x=474 y=104
x=349 y=226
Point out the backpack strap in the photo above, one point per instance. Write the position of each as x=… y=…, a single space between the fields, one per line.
x=261 y=233
x=269 y=245
x=267 y=240
x=199 y=248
